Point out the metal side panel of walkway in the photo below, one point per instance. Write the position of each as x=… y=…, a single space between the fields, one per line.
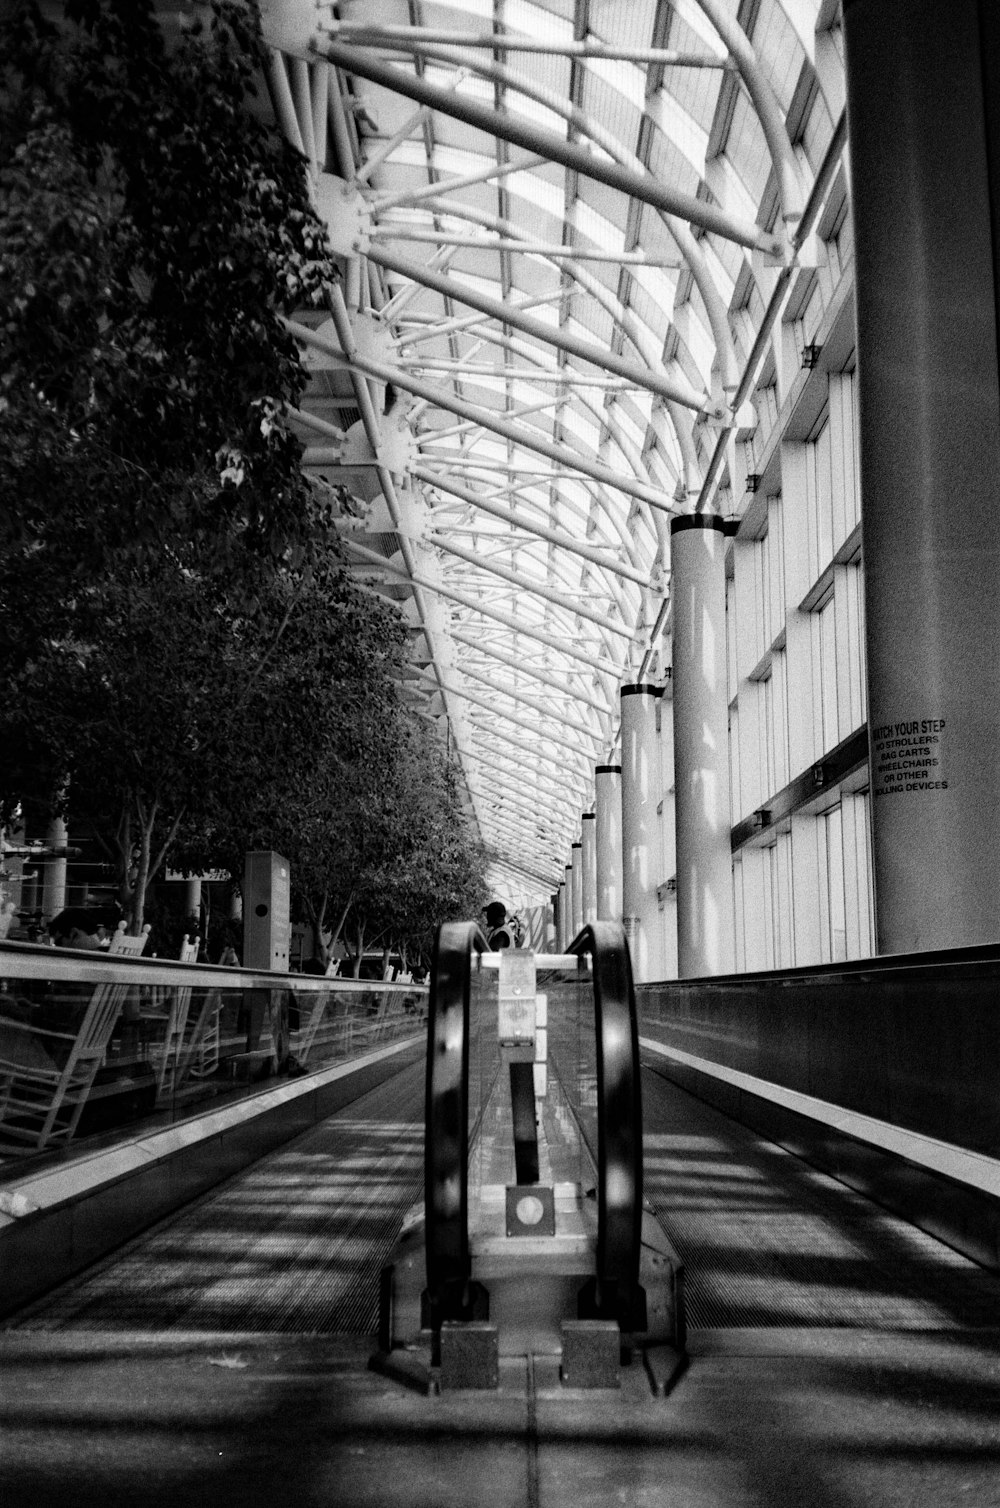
x=837 y=1357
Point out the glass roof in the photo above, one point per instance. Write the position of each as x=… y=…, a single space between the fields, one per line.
x=563 y=226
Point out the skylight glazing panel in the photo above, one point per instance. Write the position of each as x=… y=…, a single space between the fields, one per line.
x=542 y=188
x=696 y=91
x=606 y=204
x=543 y=22
x=531 y=110
x=595 y=228
x=778 y=50
x=591 y=322
x=444 y=13
x=638 y=402
x=628 y=22
x=816 y=133
x=747 y=149
x=631 y=427
x=725 y=262
x=489 y=392
x=658 y=285
x=479 y=268
x=657 y=242
x=692 y=31
x=389 y=108
x=655 y=316
x=610 y=79
x=583 y=429
x=547 y=71
x=610 y=110
x=678 y=145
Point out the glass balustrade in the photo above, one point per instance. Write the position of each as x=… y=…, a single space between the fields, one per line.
x=93 y=1045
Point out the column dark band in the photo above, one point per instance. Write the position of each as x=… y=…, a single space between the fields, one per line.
x=608 y=769
x=703 y=521
x=643 y=690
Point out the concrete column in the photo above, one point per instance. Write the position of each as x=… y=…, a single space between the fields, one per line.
x=608 y=815
x=577 y=857
x=641 y=830
x=705 y=925
x=588 y=835
x=568 y=933
x=668 y=844
x=192 y=896
x=54 y=871
x=923 y=93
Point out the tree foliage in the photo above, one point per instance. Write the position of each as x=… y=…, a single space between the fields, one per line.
x=186 y=663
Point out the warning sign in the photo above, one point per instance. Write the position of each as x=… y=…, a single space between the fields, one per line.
x=909 y=756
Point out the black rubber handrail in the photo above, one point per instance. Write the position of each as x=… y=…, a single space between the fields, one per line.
x=619 y=1123
x=446 y=1141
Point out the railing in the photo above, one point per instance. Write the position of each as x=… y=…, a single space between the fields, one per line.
x=92 y=1044
x=909 y=1039
x=586 y=1067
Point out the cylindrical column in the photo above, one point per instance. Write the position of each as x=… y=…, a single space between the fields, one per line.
x=54 y=872
x=577 y=857
x=705 y=923
x=568 y=908
x=641 y=830
x=588 y=835
x=923 y=84
x=608 y=814
x=668 y=845
x=192 y=896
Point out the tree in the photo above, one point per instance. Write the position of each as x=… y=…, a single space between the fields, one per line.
x=151 y=235
x=420 y=863
x=186 y=663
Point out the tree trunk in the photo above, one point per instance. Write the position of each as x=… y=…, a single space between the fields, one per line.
x=138 y=898
x=359 y=934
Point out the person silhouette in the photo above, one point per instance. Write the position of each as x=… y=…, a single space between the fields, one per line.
x=502 y=931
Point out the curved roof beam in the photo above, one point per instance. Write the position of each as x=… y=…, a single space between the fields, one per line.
x=530 y=725
x=547 y=709
x=476 y=605
x=524 y=493
x=605 y=420
x=638 y=334
x=559 y=570
x=418 y=39
x=493 y=651
x=574 y=608
x=495 y=308
x=620 y=174
x=791 y=193
x=519 y=521
x=625 y=172
x=584 y=398
x=383 y=372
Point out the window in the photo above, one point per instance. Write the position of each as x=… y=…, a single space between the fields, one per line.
x=837 y=914
x=824 y=655
x=819 y=500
